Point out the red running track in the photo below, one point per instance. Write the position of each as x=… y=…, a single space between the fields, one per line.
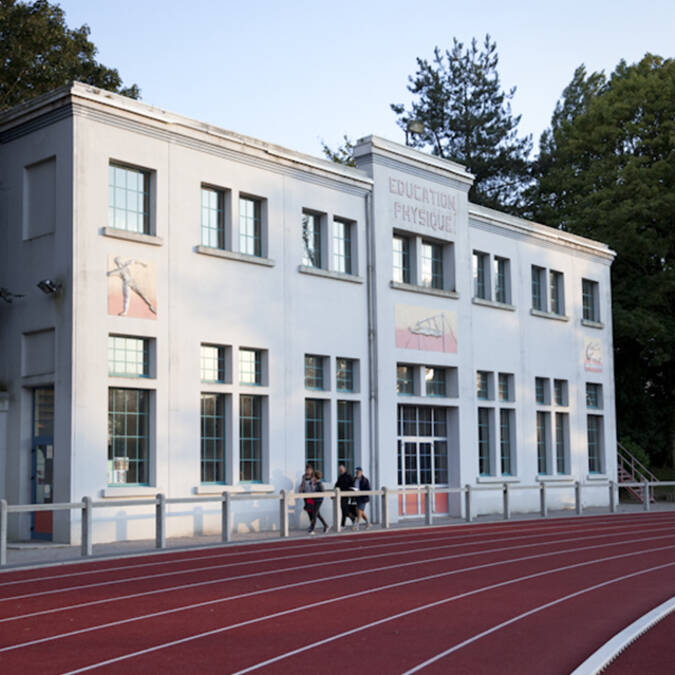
x=526 y=597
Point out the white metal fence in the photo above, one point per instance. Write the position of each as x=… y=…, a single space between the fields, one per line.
x=286 y=498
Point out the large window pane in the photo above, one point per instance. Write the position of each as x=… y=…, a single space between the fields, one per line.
x=213 y=217
x=213 y=438
x=129 y=199
x=250 y=438
x=250 y=238
x=345 y=434
x=128 y=439
x=314 y=433
x=311 y=239
x=342 y=246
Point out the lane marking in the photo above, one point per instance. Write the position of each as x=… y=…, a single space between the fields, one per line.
x=249 y=594
x=603 y=656
x=296 y=610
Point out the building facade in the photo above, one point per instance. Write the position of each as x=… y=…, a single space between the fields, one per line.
x=202 y=311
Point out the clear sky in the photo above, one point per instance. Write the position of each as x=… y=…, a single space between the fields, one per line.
x=293 y=72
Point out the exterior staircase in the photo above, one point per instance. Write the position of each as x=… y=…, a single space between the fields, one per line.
x=631 y=470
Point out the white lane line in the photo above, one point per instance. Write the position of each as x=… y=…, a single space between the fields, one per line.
x=303 y=583
x=296 y=610
x=602 y=657
x=536 y=610
x=208 y=568
x=593 y=522
x=296 y=568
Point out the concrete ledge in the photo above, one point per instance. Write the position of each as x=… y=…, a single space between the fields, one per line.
x=330 y=274
x=600 y=477
x=592 y=324
x=413 y=288
x=130 y=491
x=246 y=488
x=549 y=315
x=234 y=255
x=497 y=480
x=136 y=237
x=494 y=304
x=541 y=478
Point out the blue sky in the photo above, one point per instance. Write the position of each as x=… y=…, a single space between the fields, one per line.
x=295 y=72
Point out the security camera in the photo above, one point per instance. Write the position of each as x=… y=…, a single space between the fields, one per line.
x=49 y=287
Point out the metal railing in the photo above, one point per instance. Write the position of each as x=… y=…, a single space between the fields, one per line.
x=634 y=471
x=286 y=498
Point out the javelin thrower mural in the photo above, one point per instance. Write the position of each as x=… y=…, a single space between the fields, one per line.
x=425 y=329
x=131 y=288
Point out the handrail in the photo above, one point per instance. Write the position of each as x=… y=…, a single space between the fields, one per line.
x=288 y=497
x=627 y=455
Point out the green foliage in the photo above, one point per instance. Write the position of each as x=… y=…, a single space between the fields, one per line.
x=607 y=171
x=40 y=53
x=637 y=451
x=467 y=118
x=343 y=154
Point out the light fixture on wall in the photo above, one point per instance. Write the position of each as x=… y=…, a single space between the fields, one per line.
x=49 y=287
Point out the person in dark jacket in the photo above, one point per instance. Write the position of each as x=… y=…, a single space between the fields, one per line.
x=317 y=486
x=307 y=485
x=361 y=483
x=345 y=482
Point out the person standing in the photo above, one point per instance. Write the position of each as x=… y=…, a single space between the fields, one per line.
x=361 y=483
x=307 y=485
x=345 y=482
x=317 y=486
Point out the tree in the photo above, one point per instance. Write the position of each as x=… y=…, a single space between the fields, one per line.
x=606 y=170
x=39 y=53
x=344 y=153
x=467 y=118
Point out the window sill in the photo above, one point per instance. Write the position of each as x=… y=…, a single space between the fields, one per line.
x=597 y=477
x=246 y=488
x=549 y=315
x=592 y=324
x=491 y=480
x=413 y=288
x=116 y=381
x=493 y=303
x=543 y=478
x=130 y=491
x=234 y=255
x=330 y=274
x=136 y=237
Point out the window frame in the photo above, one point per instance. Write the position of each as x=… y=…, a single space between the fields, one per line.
x=146 y=192
x=256 y=220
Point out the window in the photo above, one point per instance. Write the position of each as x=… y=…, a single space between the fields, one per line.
x=311 y=239
x=484 y=442
x=590 y=300
x=250 y=226
x=342 y=246
x=250 y=366
x=538 y=288
x=595 y=443
x=481 y=282
x=502 y=281
x=128 y=435
x=344 y=376
x=556 y=288
x=560 y=392
x=543 y=425
x=482 y=385
x=129 y=199
x=212 y=363
x=345 y=434
x=314 y=372
x=505 y=440
x=541 y=390
x=401 y=259
x=422 y=446
x=432 y=265
x=314 y=433
x=213 y=217
x=405 y=383
x=561 y=442
x=128 y=356
x=250 y=439
x=435 y=379
x=505 y=387
x=594 y=396
x=213 y=438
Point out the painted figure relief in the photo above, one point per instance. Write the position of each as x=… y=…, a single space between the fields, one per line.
x=132 y=288
x=592 y=355
x=425 y=329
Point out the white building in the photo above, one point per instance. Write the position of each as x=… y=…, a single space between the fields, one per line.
x=225 y=309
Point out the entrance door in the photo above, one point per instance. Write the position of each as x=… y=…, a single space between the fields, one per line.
x=42 y=464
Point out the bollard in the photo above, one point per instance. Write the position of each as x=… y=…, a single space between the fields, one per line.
x=428 y=504
x=337 y=511
x=160 y=521
x=577 y=498
x=645 y=496
x=283 y=514
x=226 y=518
x=612 y=497
x=385 y=507
x=542 y=500
x=3 y=532
x=87 y=534
x=507 y=506
x=467 y=504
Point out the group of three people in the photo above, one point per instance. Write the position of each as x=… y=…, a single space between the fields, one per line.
x=353 y=508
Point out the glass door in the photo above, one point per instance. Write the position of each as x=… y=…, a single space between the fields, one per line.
x=42 y=464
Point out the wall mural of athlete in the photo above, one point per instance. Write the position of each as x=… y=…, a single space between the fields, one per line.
x=134 y=278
